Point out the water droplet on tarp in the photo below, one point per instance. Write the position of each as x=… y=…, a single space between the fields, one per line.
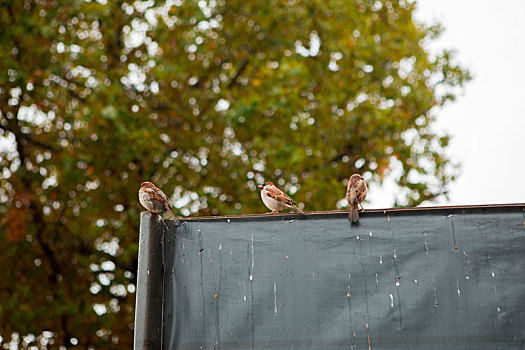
x=274 y=298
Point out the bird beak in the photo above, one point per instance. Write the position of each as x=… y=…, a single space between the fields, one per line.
x=260 y=186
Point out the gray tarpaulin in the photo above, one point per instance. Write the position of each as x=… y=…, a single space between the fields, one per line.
x=449 y=278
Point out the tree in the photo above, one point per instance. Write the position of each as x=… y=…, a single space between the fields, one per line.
x=206 y=99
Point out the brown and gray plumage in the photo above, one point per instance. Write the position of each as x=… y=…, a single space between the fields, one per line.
x=154 y=200
x=355 y=194
x=275 y=199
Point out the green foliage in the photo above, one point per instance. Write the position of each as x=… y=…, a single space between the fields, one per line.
x=206 y=99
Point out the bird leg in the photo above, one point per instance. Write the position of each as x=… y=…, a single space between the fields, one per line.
x=362 y=209
x=156 y=215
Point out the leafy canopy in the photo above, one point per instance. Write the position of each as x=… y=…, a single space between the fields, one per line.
x=206 y=99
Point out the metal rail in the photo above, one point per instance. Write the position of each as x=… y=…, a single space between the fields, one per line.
x=384 y=211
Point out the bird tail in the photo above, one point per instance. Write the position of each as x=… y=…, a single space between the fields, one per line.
x=297 y=209
x=172 y=215
x=353 y=215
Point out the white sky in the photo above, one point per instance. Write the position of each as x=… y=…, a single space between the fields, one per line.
x=487 y=122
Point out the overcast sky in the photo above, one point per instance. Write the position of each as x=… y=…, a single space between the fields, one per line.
x=487 y=122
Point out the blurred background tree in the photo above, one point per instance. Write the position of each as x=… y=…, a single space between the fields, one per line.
x=206 y=99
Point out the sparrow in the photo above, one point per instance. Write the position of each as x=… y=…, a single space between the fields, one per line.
x=275 y=199
x=355 y=194
x=154 y=200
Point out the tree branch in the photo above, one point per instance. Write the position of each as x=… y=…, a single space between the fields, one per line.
x=241 y=68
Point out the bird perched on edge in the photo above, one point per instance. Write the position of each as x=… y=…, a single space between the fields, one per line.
x=275 y=199
x=355 y=194
x=154 y=200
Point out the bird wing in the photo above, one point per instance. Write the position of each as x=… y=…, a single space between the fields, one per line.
x=158 y=198
x=356 y=191
x=362 y=190
x=275 y=193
